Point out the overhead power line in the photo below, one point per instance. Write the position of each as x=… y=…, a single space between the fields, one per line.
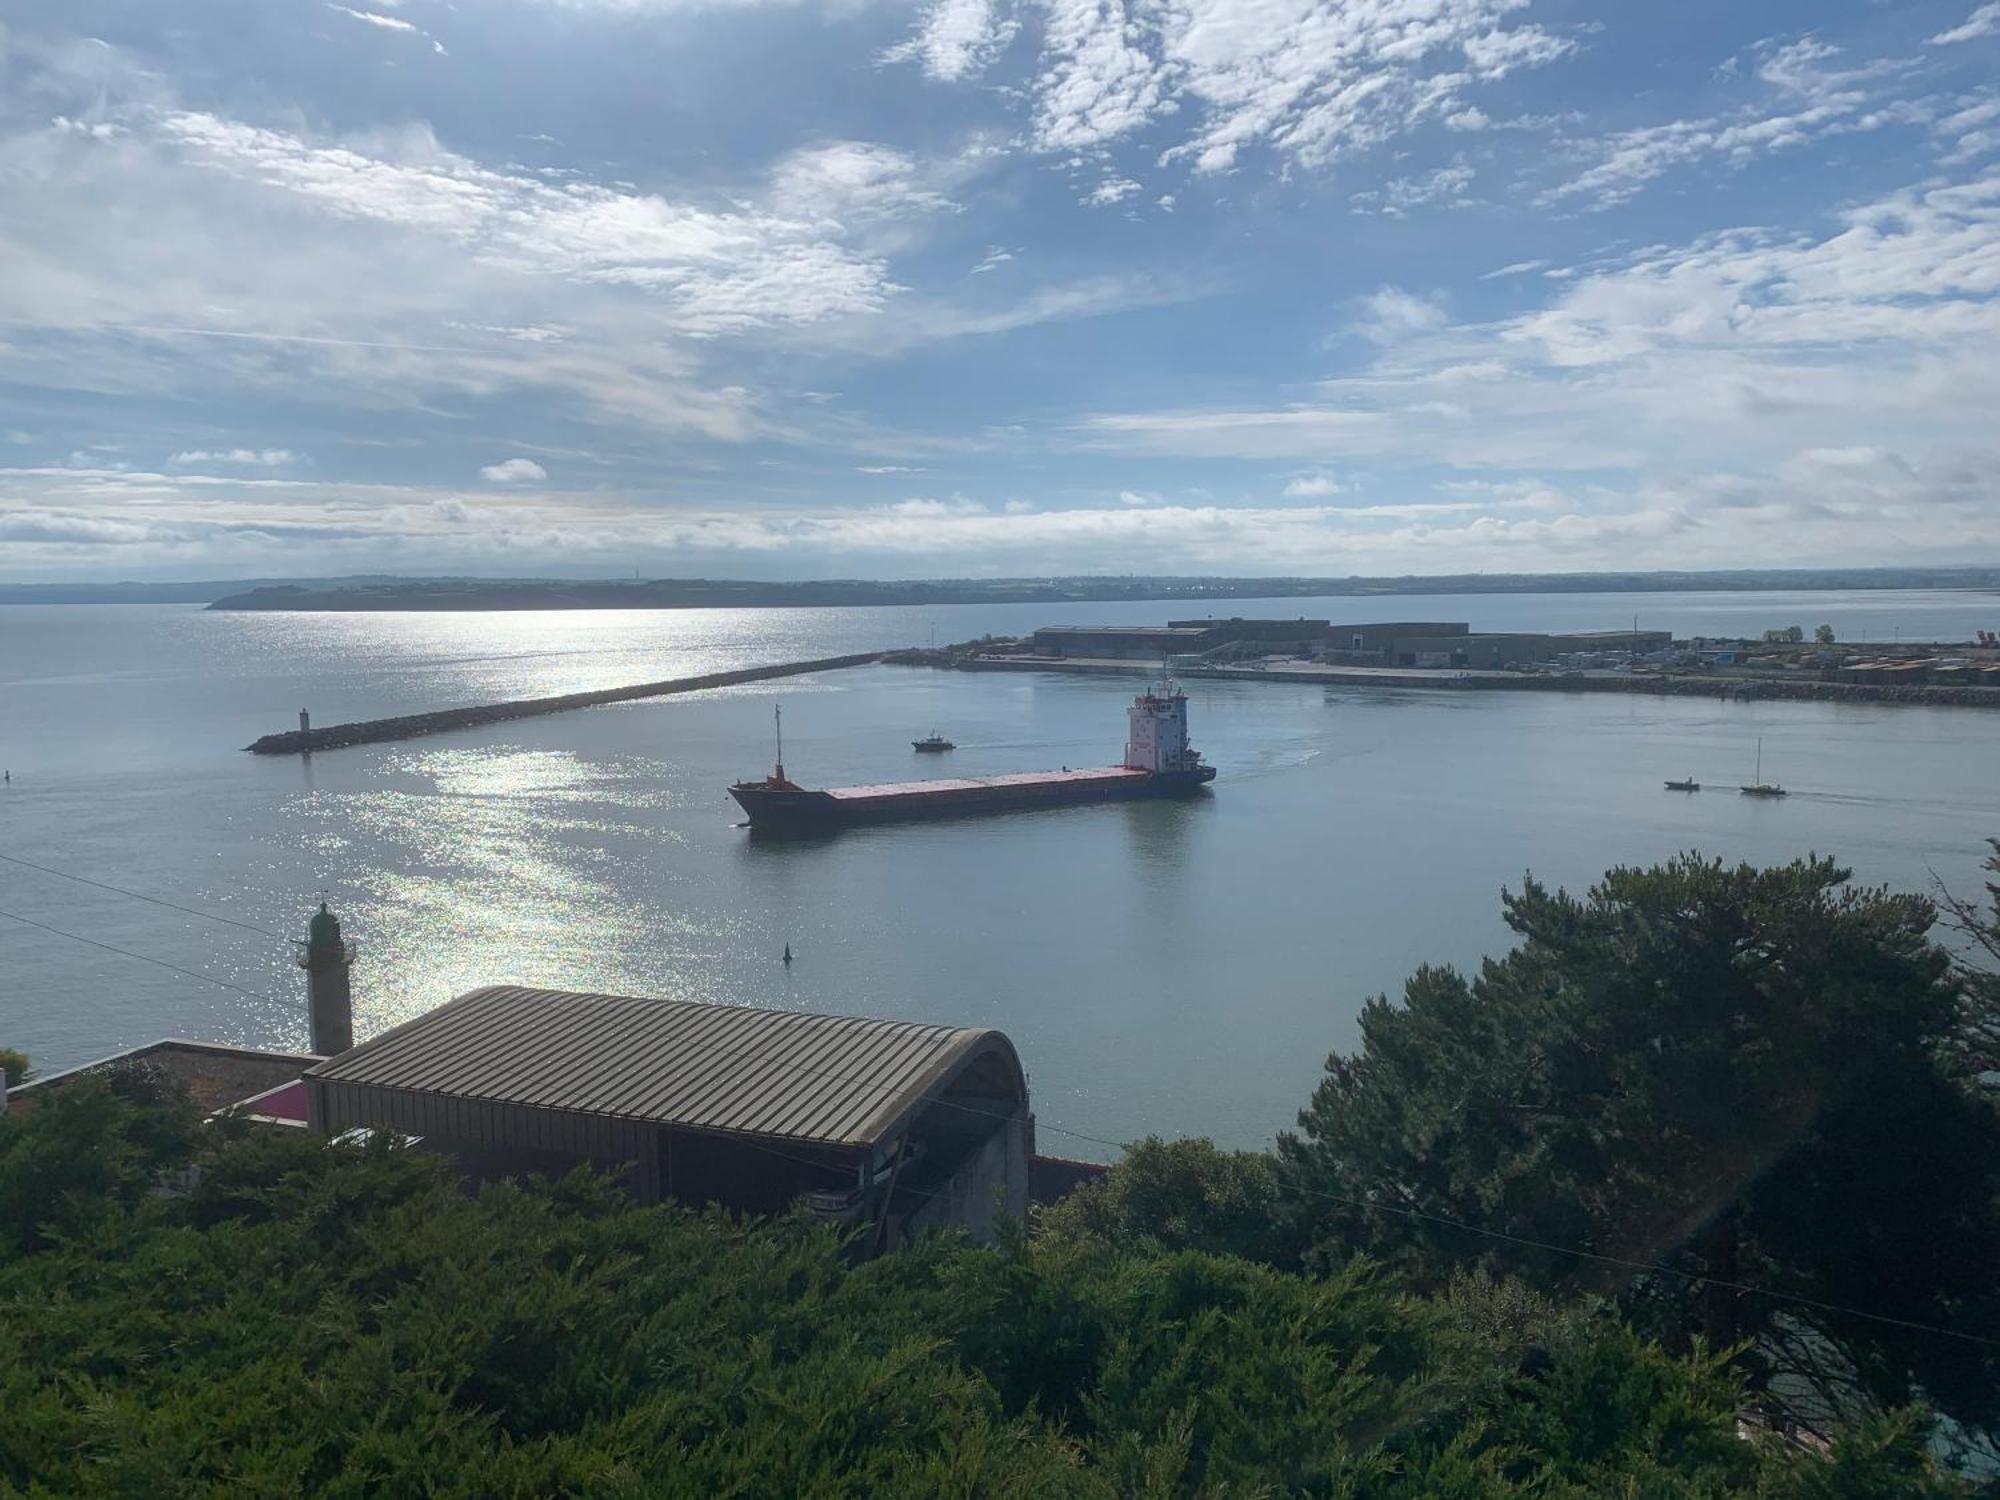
x=144 y=958
x=120 y=890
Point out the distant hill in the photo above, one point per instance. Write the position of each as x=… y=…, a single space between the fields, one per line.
x=669 y=593
x=388 y=592
x=709 y=593
x=200 y=592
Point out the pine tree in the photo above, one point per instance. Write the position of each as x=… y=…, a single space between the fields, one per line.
x=1749 y=1076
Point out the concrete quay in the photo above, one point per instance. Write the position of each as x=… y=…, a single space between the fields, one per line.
x=409 y=726
x=1742 y=687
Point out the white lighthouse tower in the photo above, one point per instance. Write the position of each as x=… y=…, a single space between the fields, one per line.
x=326 y=957
x=1156 y=739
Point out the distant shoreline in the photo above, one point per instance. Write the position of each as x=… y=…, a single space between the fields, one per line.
x=385 y=593
x=469 y=595
x=1736 y=688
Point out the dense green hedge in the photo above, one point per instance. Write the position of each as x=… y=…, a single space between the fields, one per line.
x=286 y=1318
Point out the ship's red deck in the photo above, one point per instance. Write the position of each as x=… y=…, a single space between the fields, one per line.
x=1096 y=775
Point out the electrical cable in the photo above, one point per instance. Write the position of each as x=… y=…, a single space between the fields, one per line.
x=141 y=896
x=142 y=957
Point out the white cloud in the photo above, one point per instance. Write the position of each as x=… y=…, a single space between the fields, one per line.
x=1812 y=98
x=1137 y=498
x=1313 y=486
x=268 y=458
x=95 y=130
x=181 y=251
x=924 y=321
x=1399 y=195
x=956 y=39
x=387 y=23
x=1840 y=503
x=1840 y=384
x=886 y=469
x=1392 y=314
x=1513 y=268
x=1313 y=79
x=841 y=182
x=994 y=258
x=1113 y=189
x=722 y=270
x=513 y=471
x=1970 y=129
x=926 y=508
x=1100 y=77
x=1984 y=21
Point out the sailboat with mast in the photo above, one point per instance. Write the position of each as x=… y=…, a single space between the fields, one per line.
x=1759 y=787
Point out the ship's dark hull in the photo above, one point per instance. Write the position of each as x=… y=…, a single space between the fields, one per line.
x=791 y=809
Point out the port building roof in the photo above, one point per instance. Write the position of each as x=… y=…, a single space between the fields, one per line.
x=1183 y=629
x=787 y=1075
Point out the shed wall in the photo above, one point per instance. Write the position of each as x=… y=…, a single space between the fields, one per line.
x=991 y=1182
x=492 y=1138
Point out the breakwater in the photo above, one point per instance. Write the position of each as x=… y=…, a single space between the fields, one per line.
x=1740 y=689
x=409 y=726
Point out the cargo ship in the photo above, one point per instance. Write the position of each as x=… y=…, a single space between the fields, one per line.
x=1158 y=763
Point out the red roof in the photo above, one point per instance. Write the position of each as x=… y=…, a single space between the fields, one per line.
x=286 y=1102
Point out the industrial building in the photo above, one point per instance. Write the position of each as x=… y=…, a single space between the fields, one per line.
x=889 y=1127
x=1379 y=639
x=1301 y=634
x=1387 y=643
x=1490 y=649
x=893 y=1124
x=215 y=1075
x=1197 y=637
x=1126 y=642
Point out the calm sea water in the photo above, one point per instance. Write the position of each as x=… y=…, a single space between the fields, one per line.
x=1182 y=968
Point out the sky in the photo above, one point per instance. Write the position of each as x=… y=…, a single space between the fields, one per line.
x=871 y=288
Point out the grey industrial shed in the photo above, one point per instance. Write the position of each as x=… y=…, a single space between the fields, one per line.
x=891 y=1121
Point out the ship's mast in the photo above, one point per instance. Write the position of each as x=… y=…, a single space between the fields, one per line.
x=778 y=717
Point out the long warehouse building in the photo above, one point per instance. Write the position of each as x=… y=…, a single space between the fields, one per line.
x=894 y=1124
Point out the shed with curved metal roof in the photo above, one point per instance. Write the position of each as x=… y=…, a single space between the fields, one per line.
x=700 y=1098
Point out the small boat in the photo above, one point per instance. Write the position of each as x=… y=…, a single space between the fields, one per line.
x=1690 y=785
x=932 y=743
x=1760 y=787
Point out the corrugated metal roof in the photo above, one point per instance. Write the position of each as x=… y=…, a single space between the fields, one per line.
x=837 y=1080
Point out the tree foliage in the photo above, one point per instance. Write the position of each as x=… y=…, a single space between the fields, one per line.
x=1737 y=1074
x=228 y=1311
x=1976 y=1039
x=1181 y=1195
